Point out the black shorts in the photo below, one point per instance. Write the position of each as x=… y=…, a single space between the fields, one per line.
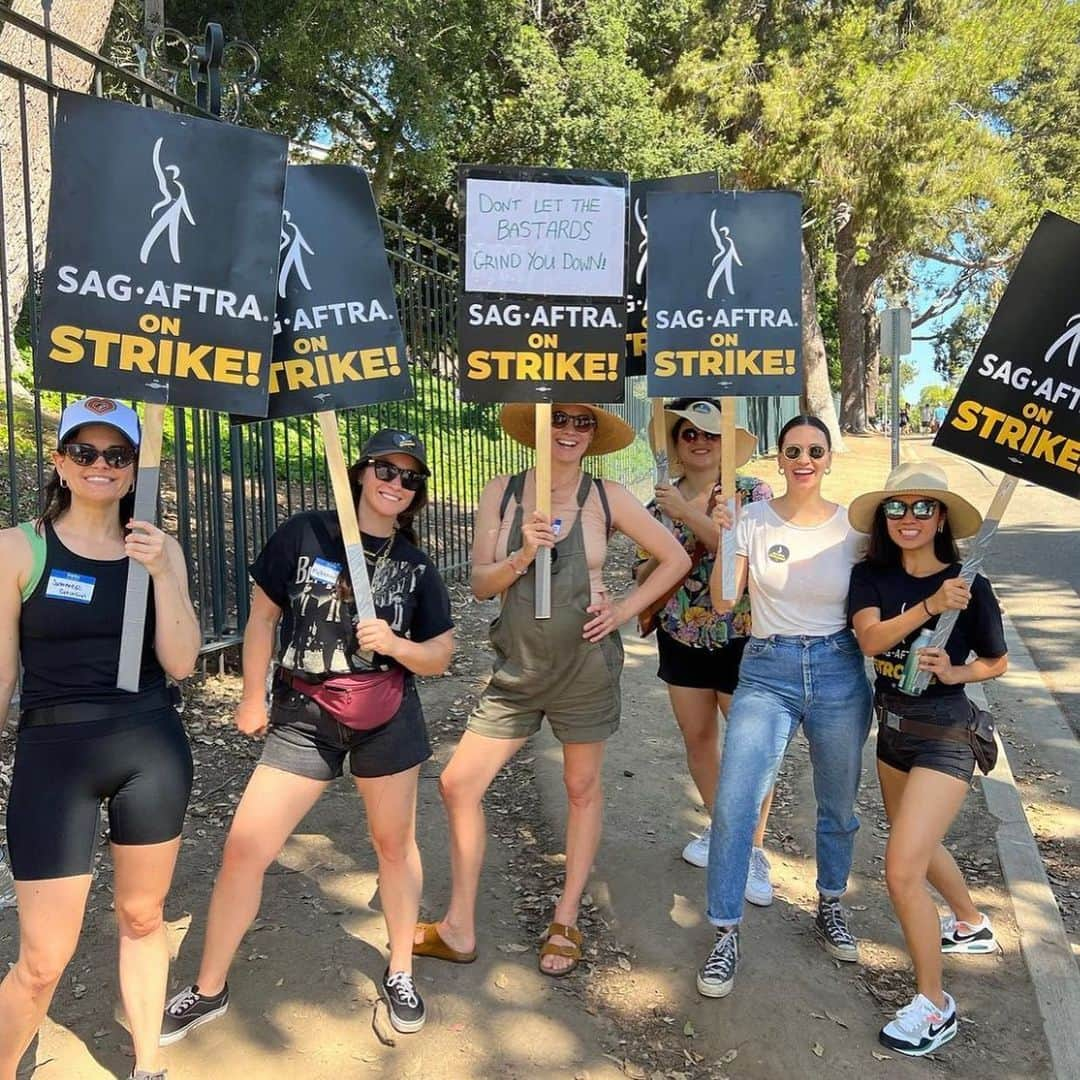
x=306 y=741
x=699 y=669
x=904 y=752
x=139 y=765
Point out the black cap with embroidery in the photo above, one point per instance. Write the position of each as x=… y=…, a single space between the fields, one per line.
x=390 y=441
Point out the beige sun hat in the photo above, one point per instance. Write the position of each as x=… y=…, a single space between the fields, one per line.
x=612 y=433
x=917 y=478
x=705 y=415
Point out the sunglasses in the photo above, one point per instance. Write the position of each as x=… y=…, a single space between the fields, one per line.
x=579 y=421
x=921 y=509
x=692 y=434
x=816 y=452
x=387 y=470
x=116 y=457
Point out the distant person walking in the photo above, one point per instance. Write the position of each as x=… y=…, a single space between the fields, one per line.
x=940 y=412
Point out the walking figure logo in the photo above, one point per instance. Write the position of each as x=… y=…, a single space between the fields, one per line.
x=168 y=210
x=1071 y=337
x=726 y=256
x=643 y=246
x=294 y=257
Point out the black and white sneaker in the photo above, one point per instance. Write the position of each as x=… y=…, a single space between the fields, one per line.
x=967 y=938
x=920 y=1028
x=832 y=929
x=406 y=1006
x=189 y=1010
x=716 y=979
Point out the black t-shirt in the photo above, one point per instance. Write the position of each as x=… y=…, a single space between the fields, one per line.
x=893 y=591
x=301 y=569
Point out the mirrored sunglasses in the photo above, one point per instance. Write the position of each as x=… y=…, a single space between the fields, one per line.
x=579 y=421
x=921 y=509
x=84 y=454
x=816 y=452
x=692 y=434
x=387 y=470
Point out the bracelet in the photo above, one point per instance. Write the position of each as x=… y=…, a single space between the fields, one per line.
x=517 y=572
x=927 y=606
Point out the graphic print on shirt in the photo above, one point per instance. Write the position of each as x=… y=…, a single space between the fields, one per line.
x=323 y=622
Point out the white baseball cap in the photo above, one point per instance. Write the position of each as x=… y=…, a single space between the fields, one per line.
x=99 y=410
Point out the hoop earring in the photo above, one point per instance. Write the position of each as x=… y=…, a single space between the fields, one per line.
x=828 y=470
x=63 y=482
x=940 y=529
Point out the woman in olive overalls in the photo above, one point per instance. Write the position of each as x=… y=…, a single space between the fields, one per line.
x=566 y=668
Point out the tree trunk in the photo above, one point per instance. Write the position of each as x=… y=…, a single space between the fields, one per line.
x=817 y=399
x=872 y=354
x=855 y=284
x=85 y=22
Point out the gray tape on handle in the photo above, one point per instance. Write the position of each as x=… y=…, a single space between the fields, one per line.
x=727 y=547
x=361 y=583
x=976 y=556
x=543 y=584
x=137 y=589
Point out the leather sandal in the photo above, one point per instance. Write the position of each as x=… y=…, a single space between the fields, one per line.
x=549 y=948
x=433 y=945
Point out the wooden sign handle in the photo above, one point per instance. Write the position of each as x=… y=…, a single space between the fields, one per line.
x=543 y=504
x=658 y=441
x=137 y=589
x=728 y=493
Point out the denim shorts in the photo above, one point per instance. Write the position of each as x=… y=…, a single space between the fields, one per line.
x=305 y=740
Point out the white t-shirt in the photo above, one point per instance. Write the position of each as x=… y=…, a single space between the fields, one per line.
x=798 y=575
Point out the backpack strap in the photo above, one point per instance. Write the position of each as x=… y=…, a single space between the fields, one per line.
x=515 y=489
x=599 y=485
x=39 y=549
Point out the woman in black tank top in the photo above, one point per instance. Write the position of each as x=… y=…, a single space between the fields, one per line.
x=81 y=740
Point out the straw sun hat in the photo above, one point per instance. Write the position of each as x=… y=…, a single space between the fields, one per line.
x=704 y=415
x=917 y=478
x=519 y=422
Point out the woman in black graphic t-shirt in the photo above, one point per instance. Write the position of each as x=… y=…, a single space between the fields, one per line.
x=343 y=688
x=909 y=578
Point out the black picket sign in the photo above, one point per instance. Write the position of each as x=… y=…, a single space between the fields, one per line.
x=542 y=312
x=1017 y=408
x=338 y=342
x=162 y=257
x=724 y=280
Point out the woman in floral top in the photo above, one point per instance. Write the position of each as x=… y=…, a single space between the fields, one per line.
x=699 y=649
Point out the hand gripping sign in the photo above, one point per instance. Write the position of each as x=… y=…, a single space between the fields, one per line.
x=1017 y=408
x=337 y=337
x=725 y=300
x=160 y=277
x=542 y=313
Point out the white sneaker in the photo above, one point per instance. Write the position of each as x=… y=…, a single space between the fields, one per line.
x=759 y=889
x=920 y=1028
x=696 y=853
x=967 y=938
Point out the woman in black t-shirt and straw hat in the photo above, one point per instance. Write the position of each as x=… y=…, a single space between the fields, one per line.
x=344 y=690
x=909 y=578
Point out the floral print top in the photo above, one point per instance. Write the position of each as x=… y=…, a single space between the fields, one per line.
x=688 y=616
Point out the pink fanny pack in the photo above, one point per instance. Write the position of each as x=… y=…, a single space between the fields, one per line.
x=362 y=702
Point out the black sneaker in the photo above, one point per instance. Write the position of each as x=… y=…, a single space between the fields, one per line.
x=832 y=928
x=716 y=979
x=407 y=1012
x=187 y=1010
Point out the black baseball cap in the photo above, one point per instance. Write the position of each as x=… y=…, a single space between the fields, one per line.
x=391 y=441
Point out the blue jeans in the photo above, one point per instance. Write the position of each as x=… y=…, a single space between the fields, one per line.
x=821 y=683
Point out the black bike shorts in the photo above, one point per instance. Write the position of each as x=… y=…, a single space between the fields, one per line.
x=139 y=765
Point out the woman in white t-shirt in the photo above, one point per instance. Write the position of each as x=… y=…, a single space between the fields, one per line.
x=802 y=665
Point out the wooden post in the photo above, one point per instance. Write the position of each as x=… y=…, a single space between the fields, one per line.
x=728 y=493
x=658 y=439
x=346 y=511
x=138 y=579
x=543 y=504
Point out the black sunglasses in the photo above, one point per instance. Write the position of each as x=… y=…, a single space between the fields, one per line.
x=411 y=480
x=816 y=452
x=580 y=421
x=692 y=434
x=84 y=454
x=921 y=509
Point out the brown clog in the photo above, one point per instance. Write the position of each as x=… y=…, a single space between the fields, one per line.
x=433 y=945
x=549 y=948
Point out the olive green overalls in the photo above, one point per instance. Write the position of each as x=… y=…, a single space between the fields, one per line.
x=544 y=667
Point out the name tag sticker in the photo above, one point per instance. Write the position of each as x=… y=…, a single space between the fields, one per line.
x=324 y=572
x=64 y=585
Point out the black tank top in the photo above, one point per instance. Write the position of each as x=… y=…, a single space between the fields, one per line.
x=69 y=632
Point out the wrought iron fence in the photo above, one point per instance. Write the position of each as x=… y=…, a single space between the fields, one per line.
x=225 y=489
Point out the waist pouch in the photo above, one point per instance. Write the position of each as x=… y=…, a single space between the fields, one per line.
x=361 y=702
x=955 y=719
x=166 y=697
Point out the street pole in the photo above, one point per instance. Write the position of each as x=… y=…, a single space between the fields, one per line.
x=896 y=343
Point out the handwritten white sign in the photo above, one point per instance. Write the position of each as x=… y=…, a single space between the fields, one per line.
x=544 y=239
